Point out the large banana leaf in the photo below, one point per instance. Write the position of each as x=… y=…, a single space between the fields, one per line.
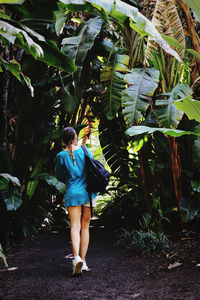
x=77 y=48
x=143 y=83
x=190 y=107
x=12 y=198
x=136 y=130
x=20 y=36
x=113 y=80
x=121 y=11
x=168 y=115
x=46 y=51
x=111 y=98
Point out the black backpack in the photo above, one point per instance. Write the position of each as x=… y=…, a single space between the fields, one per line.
x=97 y=175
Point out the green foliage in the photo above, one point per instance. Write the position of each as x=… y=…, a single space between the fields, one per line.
x=3 y=257
x=190 y=107
x=77 y=48
x=52 y=181
x=20 y=37
x=114 y=145
x=141 y=84
x=168 y=115
x=190 y=207
x=136 y=130
x=10 y=194
x=12 y=198
x=145 y=242
x=12 y=1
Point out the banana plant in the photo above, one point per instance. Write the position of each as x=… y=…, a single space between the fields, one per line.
x=112 y=80
x=168 y=115
x=190 y=107
x=122 y=12
x=77 y=47
x=142 y=84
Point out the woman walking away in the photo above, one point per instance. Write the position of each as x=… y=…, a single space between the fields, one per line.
x=70 y=169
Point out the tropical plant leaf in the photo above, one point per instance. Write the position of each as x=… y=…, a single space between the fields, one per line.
x=77 y=48
x=3 y=15
x=44 y=50
x=195 y=186
x=52 y=181
x=32 y=184
x=111 y=97
x=143 y=26
x=11 y=1
x=190 y=208
x=20 y=37
x=78 y=2
x=54 y=57
x=114 y=146
x=167 y=20
x=121 y=11
x=136 y=130
x=168 y=115
x=142 y=84
x=3 y=257
x=12 y=198
x=174 y=43
x=4 y=182
x=195 y=5
x=11 y=178
x=190 y=107
x=61 y=18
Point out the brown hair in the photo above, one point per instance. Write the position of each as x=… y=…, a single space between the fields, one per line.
x=69 y=135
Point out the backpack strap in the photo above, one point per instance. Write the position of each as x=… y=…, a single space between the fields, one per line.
x=85 y=150
x=89 y=193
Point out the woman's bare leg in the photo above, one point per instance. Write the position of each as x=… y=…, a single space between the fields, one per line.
x=75 y=226
x=85 y=236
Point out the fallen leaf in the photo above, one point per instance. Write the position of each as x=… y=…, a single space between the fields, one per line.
x=198 y=265
x=174 y=265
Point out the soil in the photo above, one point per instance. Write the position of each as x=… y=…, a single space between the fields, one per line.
x=41 y=268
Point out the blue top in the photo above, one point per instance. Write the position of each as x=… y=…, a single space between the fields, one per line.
x=75 y=177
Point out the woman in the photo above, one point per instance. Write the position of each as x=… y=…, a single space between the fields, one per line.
x=70 y=169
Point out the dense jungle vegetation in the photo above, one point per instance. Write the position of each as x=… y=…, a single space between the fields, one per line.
x=128 y=69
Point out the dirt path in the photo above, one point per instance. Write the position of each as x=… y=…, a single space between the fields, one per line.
x=41 y=269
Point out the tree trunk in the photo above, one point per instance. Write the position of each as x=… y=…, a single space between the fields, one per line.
x=147 y=197
x=176 y=170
